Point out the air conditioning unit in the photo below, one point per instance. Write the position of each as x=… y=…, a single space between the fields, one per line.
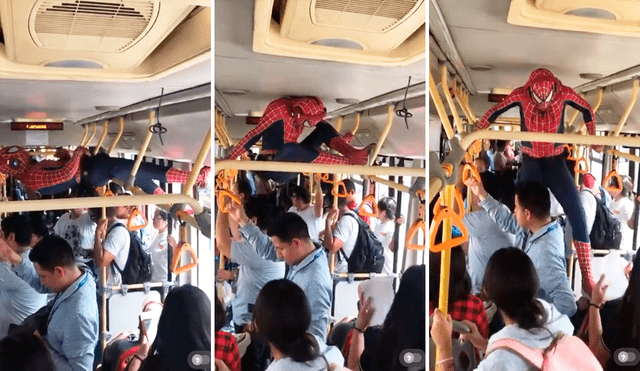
x=101 y=34
x=379 y=32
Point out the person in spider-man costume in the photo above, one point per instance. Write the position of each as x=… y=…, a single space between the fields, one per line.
x=541 y=103
x=281 y=125
x=49 y=177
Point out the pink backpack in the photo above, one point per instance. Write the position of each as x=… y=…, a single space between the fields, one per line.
x=564 y=353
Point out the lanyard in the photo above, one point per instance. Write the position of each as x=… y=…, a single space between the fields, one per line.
x=316 y=256
x=82 y=282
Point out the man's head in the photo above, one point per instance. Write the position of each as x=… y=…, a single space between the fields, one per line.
x=53 y=259
x=16 y=232
x=533 y=203
x=242 y=188
x=350 y=189
x=119 y=212
x=482 y=162
x=76 y=213
x=290 y=235
x=300 y=196
x=259 y=210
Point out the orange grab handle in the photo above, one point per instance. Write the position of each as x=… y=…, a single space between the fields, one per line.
x=224 y=193
x=571 y=150
x=136 y=220
x=457 y=197
x=470 y=171
x=448 y=168
x=577 y=169
x=183 y=246
x=325 y=178
x=476 y=147
x=608 y=178
x=338 y=194
x=363 y=212
x=433 y=230
x=417 y=225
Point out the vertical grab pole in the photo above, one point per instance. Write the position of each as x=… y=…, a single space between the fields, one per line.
x=103 y=297
x=357 y=124
x=84 y=136
x=90 y=138
x=595 y=107
x=197 y=165
x=445 y=257
x=442 y=113
x=452 y=107
x=136 y=165
x=339 y=124
x=383 y=136
x=105 y=127
x=118 y=136
x=627 y=112
x=332 y=257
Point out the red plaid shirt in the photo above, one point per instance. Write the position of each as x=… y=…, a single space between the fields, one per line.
x=226 y=350
x=541 y=117
x=471 y=309
x=292 y=111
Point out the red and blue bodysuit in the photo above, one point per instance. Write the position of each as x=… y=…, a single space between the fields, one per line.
x=541 y=102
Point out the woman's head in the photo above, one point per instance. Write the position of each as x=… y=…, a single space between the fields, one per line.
x=184 y=327
x=511 y=282
x=24 y=351
x=628 y=334
x=160 y=220
x=404 y=326
x=459 y=282
x=282 y=317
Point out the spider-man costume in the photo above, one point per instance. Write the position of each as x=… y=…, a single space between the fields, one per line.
x=281 y=125
x=52 y=177
x=541 y=102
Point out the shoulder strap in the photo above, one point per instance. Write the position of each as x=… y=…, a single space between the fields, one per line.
x=130 y=236
x=533 y=356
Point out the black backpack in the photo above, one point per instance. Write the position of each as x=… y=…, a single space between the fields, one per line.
x=138 y=266
x=605 y=234
x=368 y=254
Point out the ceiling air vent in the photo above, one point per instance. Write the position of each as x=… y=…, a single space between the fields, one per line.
x=92 y=25
x=378 y=32
x=614 y=17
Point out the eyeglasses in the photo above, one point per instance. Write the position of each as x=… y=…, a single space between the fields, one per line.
x=157 y=217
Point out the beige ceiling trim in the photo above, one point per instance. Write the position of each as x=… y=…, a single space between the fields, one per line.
x=553 y=14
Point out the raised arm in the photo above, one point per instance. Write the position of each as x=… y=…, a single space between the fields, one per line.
x=595 y=322
x=514 y=99
x=319 y=204
x=576 y=101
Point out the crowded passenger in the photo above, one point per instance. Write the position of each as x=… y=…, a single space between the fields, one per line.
x=384 y=230
x=512 y=283
x=111 y=243
x=77 y=228
x=71 y=330
x=543 y=238
x=312 y=214
x=341 y=233
x=160 y=245
x=622 y=208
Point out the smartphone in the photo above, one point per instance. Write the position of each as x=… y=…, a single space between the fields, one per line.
x=149 y=324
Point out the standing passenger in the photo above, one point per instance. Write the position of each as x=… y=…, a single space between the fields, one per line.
x=18 y=300
x=111 y=247
x=384 y=230
x=77 y=228
x=312 y=214
x=72 y=327
x=308 y=265
x=159 y=246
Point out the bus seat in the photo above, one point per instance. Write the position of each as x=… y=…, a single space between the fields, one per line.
x=463 y=352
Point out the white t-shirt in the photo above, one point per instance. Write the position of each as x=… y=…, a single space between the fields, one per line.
x=384 y=234
x=589 y=204
x=117 y=243
x=313 y=222
x=158 y=250
x=347 y=231
x=622 y=209
x=79 y=233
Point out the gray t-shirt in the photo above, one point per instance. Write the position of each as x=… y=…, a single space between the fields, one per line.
x=254 y=272
x=18 y=300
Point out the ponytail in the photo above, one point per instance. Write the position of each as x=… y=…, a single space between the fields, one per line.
x=303 y=349
x=531 y=315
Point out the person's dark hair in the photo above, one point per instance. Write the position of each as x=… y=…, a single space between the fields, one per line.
x=511 y=282
x=628 y=322
x=460 y=281
x=244 y=187
x=184 y=327
x=38 y=224
x=164 y=215
x=282 y=316
x=534 y=196
x=52 y=251
x=404 y=326
x=501 y=145
x=389 y=206
x=258 y=206
x=20 y=226
x=288 y=226
x=484 y=157
x=303 y=193
x=349 y=186
x=220 y=314
x=25 y=351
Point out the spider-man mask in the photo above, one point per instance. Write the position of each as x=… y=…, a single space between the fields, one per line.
x=13 y=160
x=542 y=86
x=309 y=109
